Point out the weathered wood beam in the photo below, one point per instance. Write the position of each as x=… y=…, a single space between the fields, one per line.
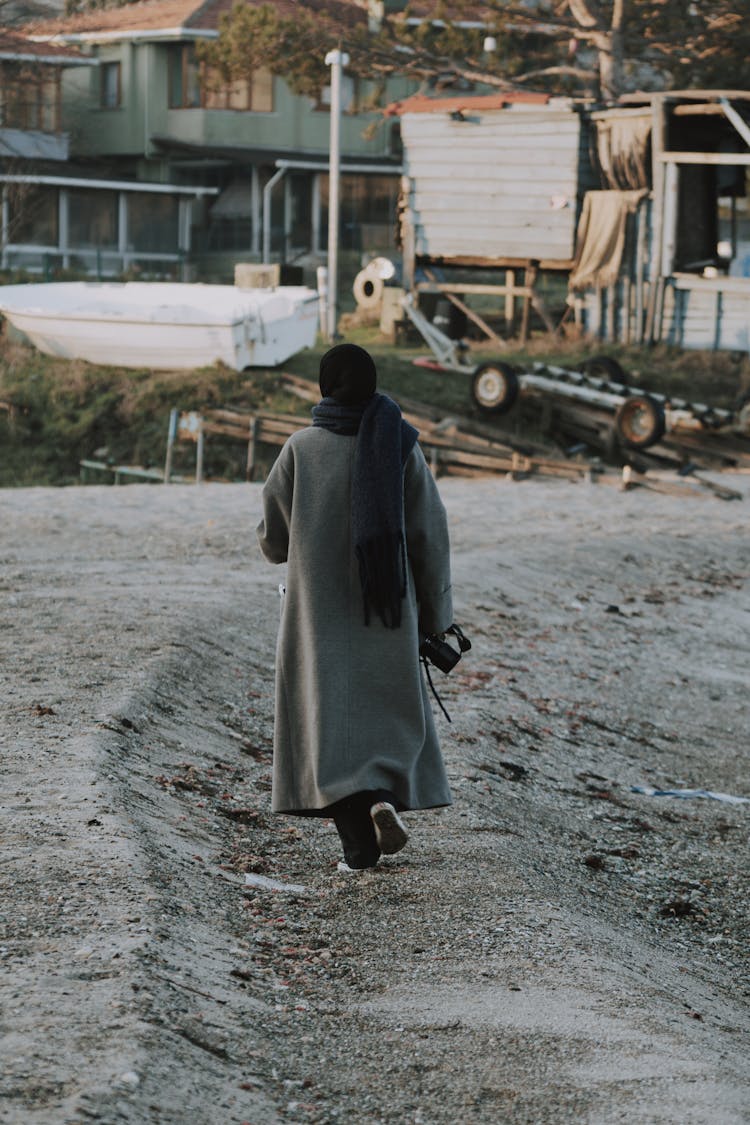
x=447 y=287
x=463 y=260
x=731 y=159
x=739 y=122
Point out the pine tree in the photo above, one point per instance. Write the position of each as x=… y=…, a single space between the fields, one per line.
x=597 y=48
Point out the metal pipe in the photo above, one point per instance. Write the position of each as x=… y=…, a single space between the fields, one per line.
x=336 y=60
x=279 y=175
x=107 y=185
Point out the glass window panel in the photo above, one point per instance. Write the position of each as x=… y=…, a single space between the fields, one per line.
x=50 y=118
x=33 y=215
x=192 y=79
x=367 y=217
x=214 y=91
x=238 y=94
x=153 y=223
x=262 y=91
x=110 y=85
x=175 y=77
x=15 y=97
x=92 y=219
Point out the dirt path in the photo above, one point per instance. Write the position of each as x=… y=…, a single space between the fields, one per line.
x=555 y=948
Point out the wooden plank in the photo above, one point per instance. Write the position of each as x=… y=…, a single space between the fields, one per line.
x=493 y=253
x=476 y=319
x=469 y=288
x=712 y=109
x=489 y=194
x=730 y=159
x=268 y=438
x=483 y=261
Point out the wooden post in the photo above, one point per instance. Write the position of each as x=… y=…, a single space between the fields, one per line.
x=658 y=132
x=199 y=456
x=611 y=303
x=171 y=435
x=510 y=304
x=529 y=280
x=640 y=265
x=251 y=445
x=625 y=314
x=408 y=240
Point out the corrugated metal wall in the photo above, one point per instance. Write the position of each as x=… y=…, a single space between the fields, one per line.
x=501 y=184
x=699 y=313
x=708 y=313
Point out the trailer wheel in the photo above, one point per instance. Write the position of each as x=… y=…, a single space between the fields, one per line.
x=640 y=422
x=604 y=367
x=494 y=387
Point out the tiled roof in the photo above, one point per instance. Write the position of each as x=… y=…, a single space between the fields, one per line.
x=421 y=103
x=198 y=15
x=14 y=45
x=149 y=15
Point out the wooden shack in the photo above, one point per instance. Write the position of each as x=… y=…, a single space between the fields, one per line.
x=641 y=206
x=678 y=164
x=494 y=184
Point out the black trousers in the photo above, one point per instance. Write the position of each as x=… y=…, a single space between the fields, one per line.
x=355 y=828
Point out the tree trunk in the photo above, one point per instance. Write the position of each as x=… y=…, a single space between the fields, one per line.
x=606 y=34
x=609 y=46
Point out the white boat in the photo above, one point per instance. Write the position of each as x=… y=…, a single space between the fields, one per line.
x=163 y=324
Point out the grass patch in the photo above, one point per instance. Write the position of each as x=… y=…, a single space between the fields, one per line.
x=53 y=412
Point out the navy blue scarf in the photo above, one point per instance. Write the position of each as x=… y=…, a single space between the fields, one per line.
x=384 y=442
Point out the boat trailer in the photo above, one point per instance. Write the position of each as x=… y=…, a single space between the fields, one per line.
x=640 y=418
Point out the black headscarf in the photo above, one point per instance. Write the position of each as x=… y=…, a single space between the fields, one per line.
x=350 y=406
x=347 y=373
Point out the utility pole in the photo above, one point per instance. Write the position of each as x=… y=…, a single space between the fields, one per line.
x=336 y=60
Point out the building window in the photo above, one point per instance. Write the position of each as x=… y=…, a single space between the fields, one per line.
x=192 y=86
x=153 y=222
x=92 y=219
x=368 y=206
x=183 y=76
x=109 y=85
x=254 y=93
x=32 y=215
x=29 y=97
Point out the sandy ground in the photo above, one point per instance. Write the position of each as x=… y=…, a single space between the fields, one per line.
x=554 y=948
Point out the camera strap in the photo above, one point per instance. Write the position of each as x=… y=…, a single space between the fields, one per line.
x=464 y=643
x=433 y=689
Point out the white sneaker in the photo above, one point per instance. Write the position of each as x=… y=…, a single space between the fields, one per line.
x=343 y=868
x=390 y=830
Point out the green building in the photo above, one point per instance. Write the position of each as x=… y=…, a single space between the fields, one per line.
x=170 y=172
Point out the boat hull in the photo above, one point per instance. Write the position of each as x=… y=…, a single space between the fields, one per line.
x=164 y=325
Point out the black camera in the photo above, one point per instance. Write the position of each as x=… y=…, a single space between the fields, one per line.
x=438 y=652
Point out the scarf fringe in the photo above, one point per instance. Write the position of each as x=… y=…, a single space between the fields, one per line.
x=382 y=574
x=384 y=442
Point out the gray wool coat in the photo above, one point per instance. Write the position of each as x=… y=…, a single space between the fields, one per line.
x=352 y=709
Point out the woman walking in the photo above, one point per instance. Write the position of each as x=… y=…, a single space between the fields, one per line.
x=351 y=506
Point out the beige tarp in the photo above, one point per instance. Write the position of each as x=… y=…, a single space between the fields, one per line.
x=601 y=237
x=623 y=149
